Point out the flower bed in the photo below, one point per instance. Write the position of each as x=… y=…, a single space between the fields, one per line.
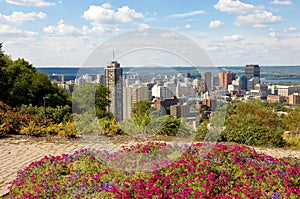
x=227 y=171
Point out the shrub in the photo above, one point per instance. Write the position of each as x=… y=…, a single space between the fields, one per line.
x=57 y=115
x=171 y=126
x=13 y=119
x=2 y=130
x=33 y=129
x=109 y=126
x=202 y=131
x=67 y=130
x=253 y=124
x=292 y=139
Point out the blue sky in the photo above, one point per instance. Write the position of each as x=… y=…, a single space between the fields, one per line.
x=231 y=32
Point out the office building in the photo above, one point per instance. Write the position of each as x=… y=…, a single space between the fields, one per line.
x=275 y=99
x=161 y=92
x=208 y=80
x=113 y=75
x=252 y=71
x=226 y=78
x=287 y=90
x=294 y=99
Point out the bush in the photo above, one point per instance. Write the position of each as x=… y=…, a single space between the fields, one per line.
x=13 y=119
x=57 y=115
x=202 y=131
x=2 y=130
x=253 y=124
x=109 y=126
x=33 y=129
x=67 y=130
x=292 y=139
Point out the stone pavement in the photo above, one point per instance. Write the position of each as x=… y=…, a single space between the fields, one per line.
x=17 y=154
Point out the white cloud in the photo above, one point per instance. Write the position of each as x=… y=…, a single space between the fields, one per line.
x=65 y=29
x=187 y=26
x=9 y=23
x=290 y=29
x=105 y=19
x=143 y=25
x=261 y=26
x=127 y=15
x=8 y=30
x=216 y=24
x=18 y=18
x=37 y=3
x=248 y=13
x=262 y=17
x=104 y=14
x=274 y=34
x=106 y=5
x=281 y=2
x=232 y=38
x=236 y=6
x=188 y=14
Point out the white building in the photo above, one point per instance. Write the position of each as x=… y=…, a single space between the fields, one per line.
x=161 y=92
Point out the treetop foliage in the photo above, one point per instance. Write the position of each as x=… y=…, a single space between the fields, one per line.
x=21 y=83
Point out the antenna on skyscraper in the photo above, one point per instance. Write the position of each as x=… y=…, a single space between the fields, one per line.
x=113 y=55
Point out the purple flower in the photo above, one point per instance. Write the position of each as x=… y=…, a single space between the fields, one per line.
x=276 y=195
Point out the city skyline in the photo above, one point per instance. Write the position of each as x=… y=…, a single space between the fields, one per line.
x=231 y=32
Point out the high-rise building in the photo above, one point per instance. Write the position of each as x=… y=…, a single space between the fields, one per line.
x=226 y=78
x=244 y=85
x=214 y=83
x=113 y=74
x=252 y=71
x=132 y=95
x=207 y=79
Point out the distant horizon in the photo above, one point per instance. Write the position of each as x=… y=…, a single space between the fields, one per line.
x=164 y=66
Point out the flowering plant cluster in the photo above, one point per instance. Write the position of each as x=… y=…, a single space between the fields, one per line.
x=226 y=171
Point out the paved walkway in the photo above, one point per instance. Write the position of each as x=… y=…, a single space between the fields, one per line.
x=17 y=154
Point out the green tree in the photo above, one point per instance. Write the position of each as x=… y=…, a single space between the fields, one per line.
x=21 y=83
x=4 y=62
x=102 y=101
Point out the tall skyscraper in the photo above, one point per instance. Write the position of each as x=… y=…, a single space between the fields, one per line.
x=113 y=75
x=252 y=71
x=207 y=78
x=226 y=78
